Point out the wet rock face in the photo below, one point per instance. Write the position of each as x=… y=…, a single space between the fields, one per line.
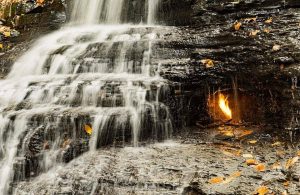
x=28 y=13
x=253 y=43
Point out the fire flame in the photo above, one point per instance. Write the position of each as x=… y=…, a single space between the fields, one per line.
x=224 y=105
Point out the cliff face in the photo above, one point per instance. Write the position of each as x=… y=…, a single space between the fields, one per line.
x=253 y=43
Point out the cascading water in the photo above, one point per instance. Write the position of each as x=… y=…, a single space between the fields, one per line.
x=86 y=74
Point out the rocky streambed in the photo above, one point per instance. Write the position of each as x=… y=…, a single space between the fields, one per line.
x=205 y=164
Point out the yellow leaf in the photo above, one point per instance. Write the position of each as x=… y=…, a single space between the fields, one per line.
x=232 y=177
x=237 y=26
x=251 y=162
x=269 y=21
x=7 y=34
x=276 y=143
x=254 y=32
x=298 y=153
x=216 y=180
x=260 y=167
x=1 y=46
x=291 y=162
x=267 y=31
x=88 y=129
x=247 y=155
x=252 y=141
x=263 y=190
x=277 y=165
x=208 y=63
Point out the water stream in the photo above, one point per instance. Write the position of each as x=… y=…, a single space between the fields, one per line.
x=94 y=72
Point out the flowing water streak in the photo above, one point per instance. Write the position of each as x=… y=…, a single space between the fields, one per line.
x=152 y=10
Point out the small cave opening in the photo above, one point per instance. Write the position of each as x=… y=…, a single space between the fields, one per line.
x=232 y=106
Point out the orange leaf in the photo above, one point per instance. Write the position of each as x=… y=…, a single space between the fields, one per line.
x=216 y=180
x=208 y=63
x=298 y=153
x=233 y=176
x=263 y=190
x=291 y=162
x=251 y=162
x=237 y=26
x=269 y=21
x=40 y=2
x=260 y=167
x=286 y=183
x=88 y=129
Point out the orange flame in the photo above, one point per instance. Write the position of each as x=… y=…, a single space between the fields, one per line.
x=224 y=105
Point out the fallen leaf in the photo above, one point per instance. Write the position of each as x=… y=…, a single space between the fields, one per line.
x=88 y=129
x=231 y=152
x=280 y=153
x=7 y=34
x=277 y=166
x=263 y=190
x=276 y=144
x=254 y=33
x=232 y=177
x=216 y=180
x=237 y=26
x=276 y=48
x=40 y=2
x=251 y=162
x=298 y=153
x=252 y=141
x=208 y=63
x=1 y=46
x=260 y=167
x=291 y=162
x=247 y=155
x=286 y=184
x=269 y=21
x=250 y=19
x=267 y=30
x=242 y=133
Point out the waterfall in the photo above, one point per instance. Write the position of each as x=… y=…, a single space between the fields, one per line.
x=109 y=11
x=95 y=72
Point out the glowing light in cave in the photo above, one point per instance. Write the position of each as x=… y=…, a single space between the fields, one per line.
x=224 y=106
